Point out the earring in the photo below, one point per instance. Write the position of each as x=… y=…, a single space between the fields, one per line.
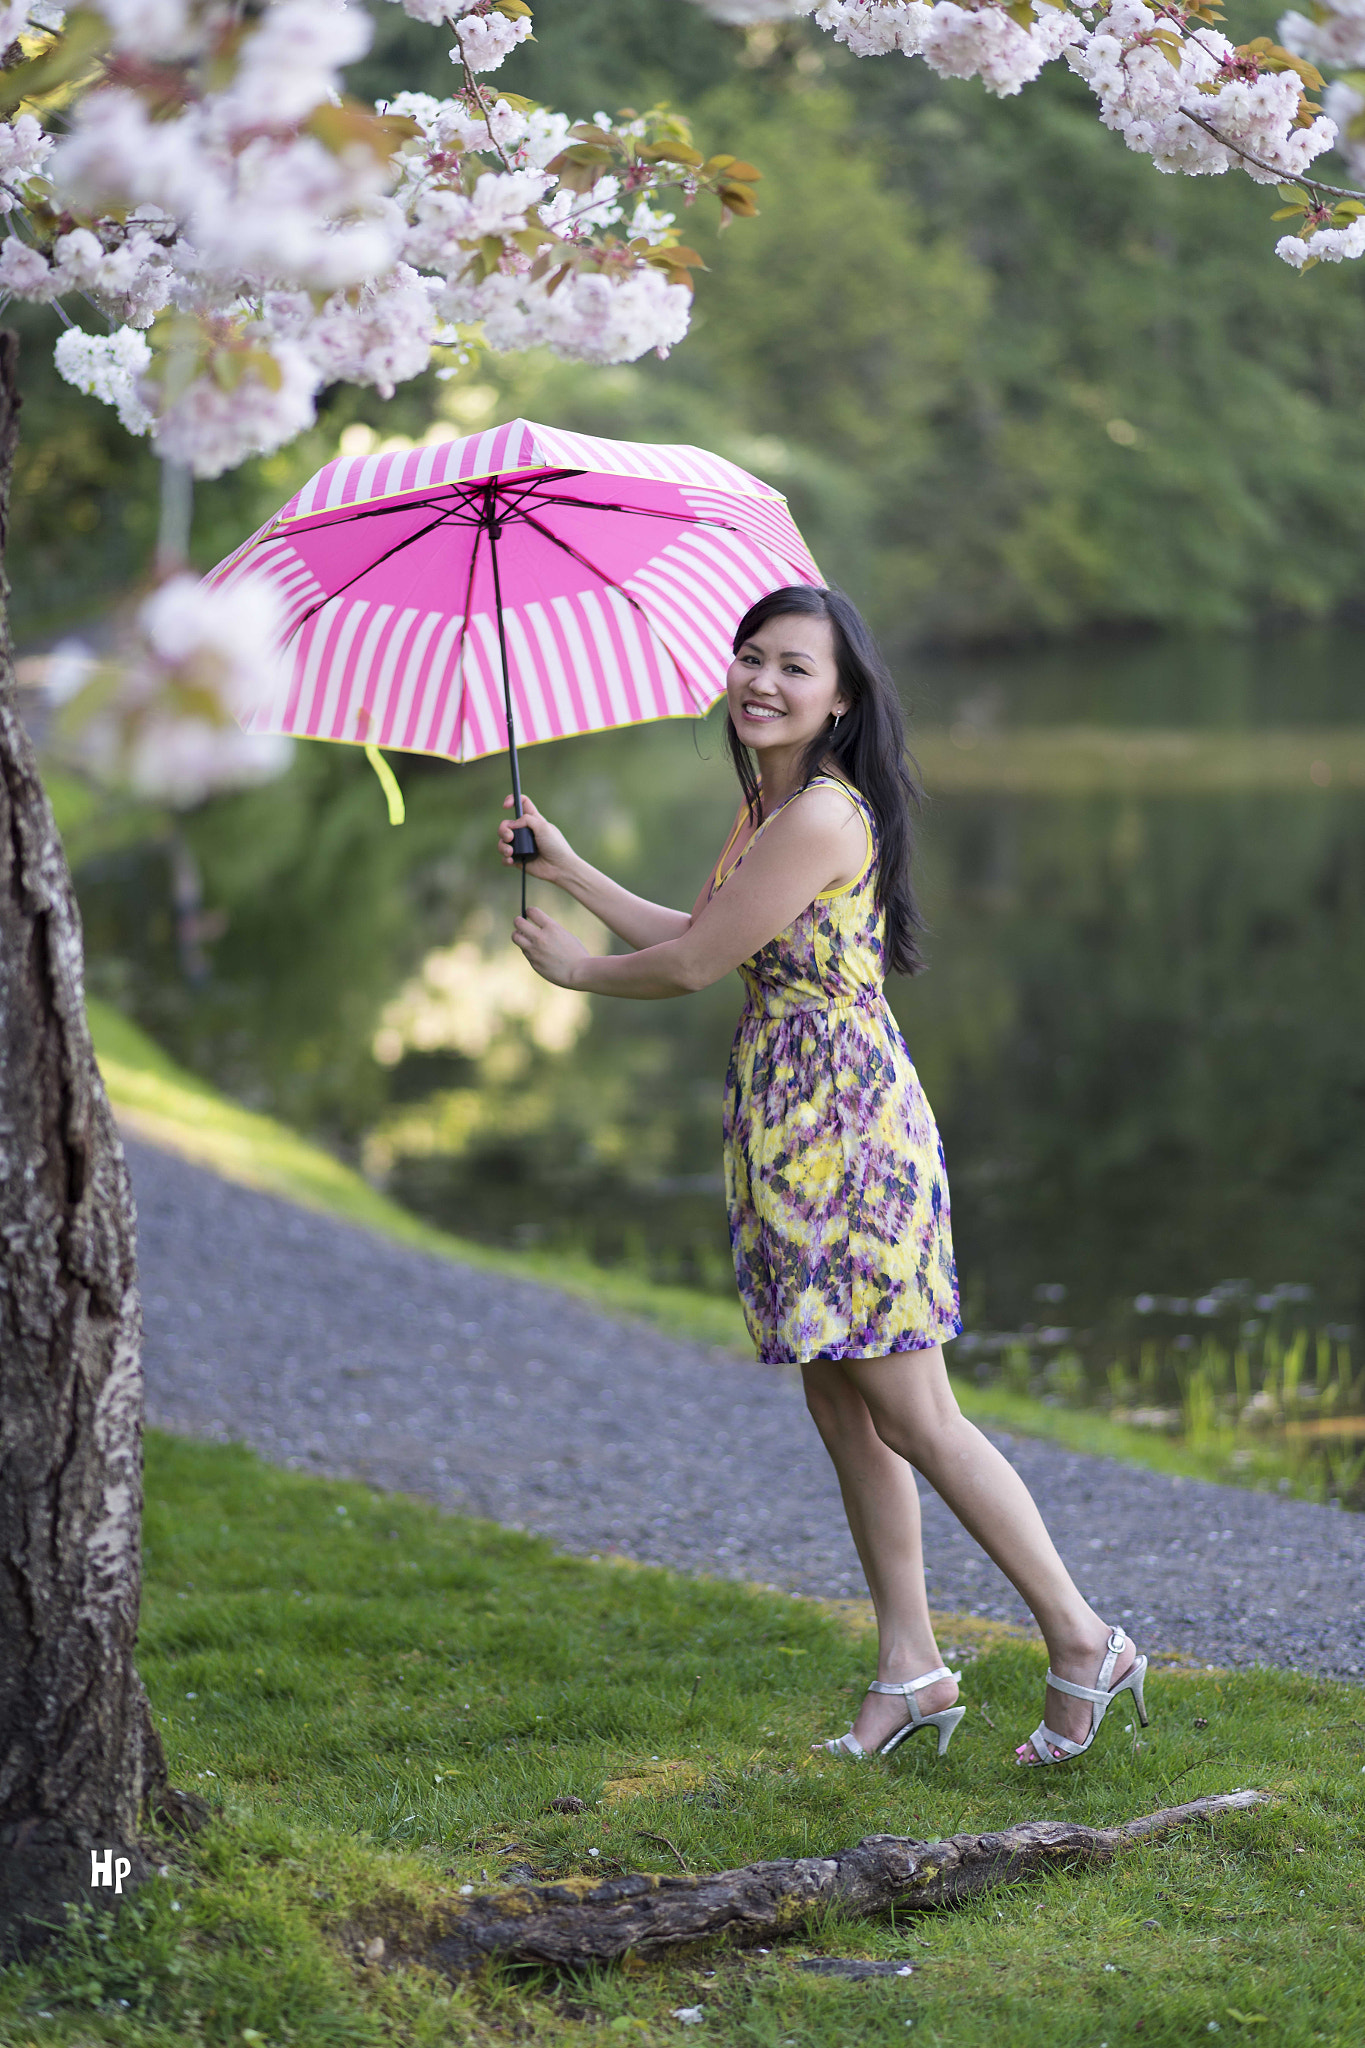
x=837 y=716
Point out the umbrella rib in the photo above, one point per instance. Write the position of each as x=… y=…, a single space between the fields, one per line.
x=578 y=556
x=397 y=548
x=610 y=582
x=464 y=627
x=641 y=512
x=470 y=493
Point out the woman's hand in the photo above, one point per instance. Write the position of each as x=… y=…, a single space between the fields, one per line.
x=553 y=952
x=554 y=855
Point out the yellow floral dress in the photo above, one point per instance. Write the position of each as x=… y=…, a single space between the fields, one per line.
x=834 y=1172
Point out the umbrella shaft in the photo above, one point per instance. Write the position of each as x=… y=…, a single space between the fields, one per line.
x=523 y=838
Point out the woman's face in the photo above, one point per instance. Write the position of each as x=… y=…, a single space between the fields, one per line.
x=783 y=685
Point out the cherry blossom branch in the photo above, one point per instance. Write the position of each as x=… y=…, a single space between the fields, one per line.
x=472 y=85
x=1303 y=178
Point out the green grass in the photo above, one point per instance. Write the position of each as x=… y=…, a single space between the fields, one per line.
x=379 y=1703
x=156 y=1099
x=1084 y=1429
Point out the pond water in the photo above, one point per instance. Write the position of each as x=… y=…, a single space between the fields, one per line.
x=1141 y=1028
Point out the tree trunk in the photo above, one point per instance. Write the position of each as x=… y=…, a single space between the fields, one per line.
x=78 y=1752
x=599 y=1920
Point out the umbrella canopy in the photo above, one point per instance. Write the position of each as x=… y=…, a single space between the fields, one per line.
x=521 y=584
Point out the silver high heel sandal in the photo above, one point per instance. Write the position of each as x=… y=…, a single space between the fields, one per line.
x=943 y=1722
x=1045 y=1741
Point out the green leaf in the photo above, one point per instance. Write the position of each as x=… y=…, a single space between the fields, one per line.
x=669 y=153
x=264 y=366
x=84 y=40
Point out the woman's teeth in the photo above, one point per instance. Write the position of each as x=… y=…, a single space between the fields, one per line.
x=762 y=711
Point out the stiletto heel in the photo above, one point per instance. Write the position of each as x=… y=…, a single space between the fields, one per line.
x=1046 y=1742
x=943 y=1722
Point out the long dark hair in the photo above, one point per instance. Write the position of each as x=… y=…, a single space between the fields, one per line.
x=868 y=749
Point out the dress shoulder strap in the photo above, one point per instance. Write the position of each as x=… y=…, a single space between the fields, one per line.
x=864 y=810
x=855 y=796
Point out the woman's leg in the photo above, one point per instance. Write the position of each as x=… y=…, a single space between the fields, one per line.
x=882 y=1505
x=915 y=1413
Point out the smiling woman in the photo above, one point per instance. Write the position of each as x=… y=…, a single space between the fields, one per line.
x=835 y=1179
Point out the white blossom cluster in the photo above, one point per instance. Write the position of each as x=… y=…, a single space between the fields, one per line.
x=164 y=721
x=970 y=41
x=483 y=36
x=1154 y=105
x=1332 y=35
x=1344 y=103
x=611 y=315
x=250 y=236
x=24 y=149
x=1327 y=245
x=282 y=239
x=955 y=41
x=110 y=367
x=1168 y=82
x=590 y=317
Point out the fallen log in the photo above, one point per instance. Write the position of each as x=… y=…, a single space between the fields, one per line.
x=598 y=1920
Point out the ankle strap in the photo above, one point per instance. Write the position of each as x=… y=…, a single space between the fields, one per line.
x=1099 y=1691
x=914 y=1684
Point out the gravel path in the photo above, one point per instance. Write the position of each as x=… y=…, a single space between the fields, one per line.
x=332 y=1350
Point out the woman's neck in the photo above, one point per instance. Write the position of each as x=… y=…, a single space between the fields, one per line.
x=779 y=779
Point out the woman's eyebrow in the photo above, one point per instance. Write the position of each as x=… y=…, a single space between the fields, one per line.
x=787 y=653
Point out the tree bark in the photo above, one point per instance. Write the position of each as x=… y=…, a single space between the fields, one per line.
x=591 y=1920
x=78 y=1752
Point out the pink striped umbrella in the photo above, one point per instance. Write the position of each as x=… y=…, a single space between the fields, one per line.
x=521 y=584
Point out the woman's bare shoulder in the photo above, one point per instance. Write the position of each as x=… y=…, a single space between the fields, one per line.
x=825 y=806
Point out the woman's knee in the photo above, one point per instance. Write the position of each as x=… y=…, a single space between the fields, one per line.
x=835 y=1405
x=912 y=1407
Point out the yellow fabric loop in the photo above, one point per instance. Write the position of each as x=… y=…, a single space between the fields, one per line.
x=388 y=782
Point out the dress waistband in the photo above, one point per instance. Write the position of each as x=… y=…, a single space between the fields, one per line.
x=765 y=999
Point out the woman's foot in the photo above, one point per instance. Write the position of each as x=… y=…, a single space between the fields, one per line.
x=881 y=1714
x=1079 y=1662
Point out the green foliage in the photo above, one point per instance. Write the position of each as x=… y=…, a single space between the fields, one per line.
x=1015 y=381
x=379 y=1703
x=1022 y=382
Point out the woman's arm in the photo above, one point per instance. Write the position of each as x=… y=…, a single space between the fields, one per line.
x=818 y=843
x=632 y=918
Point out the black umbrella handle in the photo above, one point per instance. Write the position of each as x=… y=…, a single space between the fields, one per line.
x=523 y=844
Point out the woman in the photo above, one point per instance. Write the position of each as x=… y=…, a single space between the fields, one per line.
x=834 y=1172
